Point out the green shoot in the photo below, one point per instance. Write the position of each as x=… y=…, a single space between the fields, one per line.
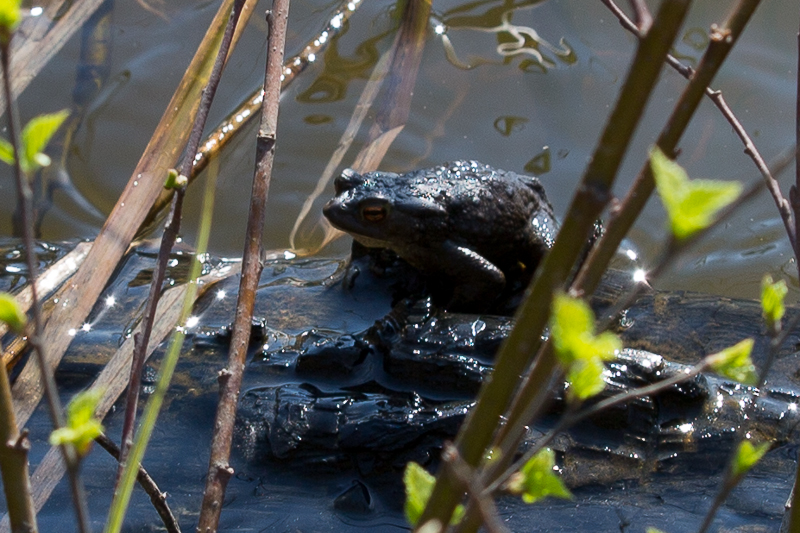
x=10 y=17
x=772 y=295
x=690 y=204
x=11 y=313
x=538 y=480
x=35 y=136
x=419 y=484
x=747 y=456
x=579 y=350
x=175 y=180
x=82 y=425
x=734 y=362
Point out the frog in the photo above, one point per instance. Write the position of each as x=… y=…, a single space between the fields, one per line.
x=463 y=222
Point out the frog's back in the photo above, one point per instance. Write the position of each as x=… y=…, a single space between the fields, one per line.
x=499 y=213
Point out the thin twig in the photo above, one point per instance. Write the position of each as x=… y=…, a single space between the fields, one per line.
x=591 y=197
x=716 y=97
x=529 y=402
x=794 y=192
x=239 y=119
x=157 y=498
x=570 y=420
x=77 y=297
x=627 y=211
x=14 y=464
x=171 y=232
x=230 y=380
x=46 y=283
x=122 y=497
x=480 y=499
x=24 y=200
x=644 y=20
x=113 y=378
x=142 y=339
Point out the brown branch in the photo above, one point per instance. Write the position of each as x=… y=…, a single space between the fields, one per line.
x=45 y=36
x=590 y=199
x=625 y=214
x=51 y=278
x=141 y=340
x=114 y=377
x=794 y=192
x=716 y=97
x=14 y=464
x=78 y=295
x=219 y=470
x=171 y=233
x=157 y=498
x=25 y=207
x=644 y=20
x=478 y=498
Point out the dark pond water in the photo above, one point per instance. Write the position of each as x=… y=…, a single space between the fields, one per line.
x=512 y=112
x=505 y=111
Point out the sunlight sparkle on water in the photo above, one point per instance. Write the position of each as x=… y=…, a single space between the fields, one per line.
x=192 y=321
x=36 y=11
x=86 y=327
x=220 y=294
x=631 y=254
x=639 y=275
x=110 y=301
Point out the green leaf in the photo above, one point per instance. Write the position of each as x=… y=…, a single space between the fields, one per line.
x=690 y=204
x=11 y=313
x=734 y=362
x=747 y=456
x=6 y=152
x=772 y=295
x=36 y=135
x=82 y=425
x=653 y=530
x=579 y=350
x=10 y=16
x=585 y=378
x=419 y=484
x=538 y=480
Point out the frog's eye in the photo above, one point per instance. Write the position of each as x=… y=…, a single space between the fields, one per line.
x=373 y=212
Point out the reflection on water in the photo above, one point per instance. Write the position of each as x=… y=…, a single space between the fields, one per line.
x=513 y=40
x=338 y=71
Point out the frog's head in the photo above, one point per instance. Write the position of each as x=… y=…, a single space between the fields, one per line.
x=381 y=209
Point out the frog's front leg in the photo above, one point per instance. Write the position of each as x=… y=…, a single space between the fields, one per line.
x=477 y=281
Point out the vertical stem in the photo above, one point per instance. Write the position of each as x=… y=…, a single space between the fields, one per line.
x=230 y=379
x=136 y=453
x=721 y=42
x=170 y=235
x=14 y=464
x=24 y=199
x=794 y=193
x=591 y=197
